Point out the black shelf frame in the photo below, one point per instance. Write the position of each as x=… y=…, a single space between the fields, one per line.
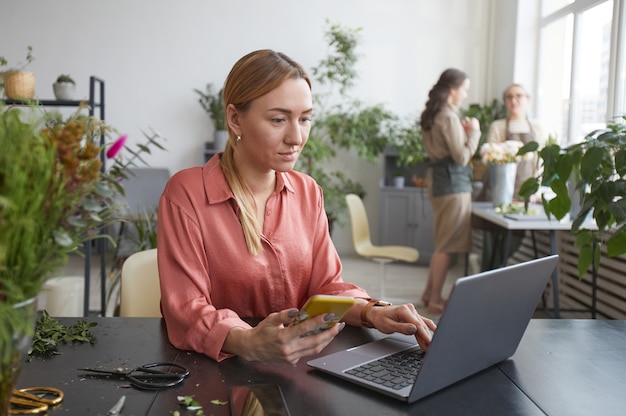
x=96 y=104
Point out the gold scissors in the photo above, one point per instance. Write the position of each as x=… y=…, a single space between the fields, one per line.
x=34 y=400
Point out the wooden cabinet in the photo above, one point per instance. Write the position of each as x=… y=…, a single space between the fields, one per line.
x=406 y=218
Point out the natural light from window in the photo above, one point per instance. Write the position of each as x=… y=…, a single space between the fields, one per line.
x=574 y=72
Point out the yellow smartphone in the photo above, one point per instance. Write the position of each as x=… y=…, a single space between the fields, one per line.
x=323 y=304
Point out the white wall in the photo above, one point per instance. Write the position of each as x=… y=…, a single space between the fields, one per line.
x=153 y=53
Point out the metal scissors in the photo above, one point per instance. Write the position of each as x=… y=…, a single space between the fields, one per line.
x=151 y=376
x=34 y=400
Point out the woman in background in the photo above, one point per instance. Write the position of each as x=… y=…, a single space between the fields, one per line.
x=450 y=144
x=517 y=126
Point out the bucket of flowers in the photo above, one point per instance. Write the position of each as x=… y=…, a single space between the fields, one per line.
x=501 y=159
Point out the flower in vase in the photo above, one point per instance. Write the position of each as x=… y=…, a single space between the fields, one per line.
x=501 y=153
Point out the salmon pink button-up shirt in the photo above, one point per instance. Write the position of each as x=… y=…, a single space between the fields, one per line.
x=209 y=280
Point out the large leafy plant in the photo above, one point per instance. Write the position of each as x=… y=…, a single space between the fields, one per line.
x=595 y=169
x=348 y=124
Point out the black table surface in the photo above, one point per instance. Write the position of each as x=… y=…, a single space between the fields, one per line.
x=561 y=367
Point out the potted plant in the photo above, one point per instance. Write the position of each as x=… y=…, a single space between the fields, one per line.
x=409 y=146
x=16 y=82
x=64 y=87
x=593 y=171
x=350 y=125
x=398 y=180
x=213 y=104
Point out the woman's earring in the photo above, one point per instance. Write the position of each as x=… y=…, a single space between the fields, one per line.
x=238 y=139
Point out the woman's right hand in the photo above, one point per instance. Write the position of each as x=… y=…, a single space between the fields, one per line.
x=274 y=339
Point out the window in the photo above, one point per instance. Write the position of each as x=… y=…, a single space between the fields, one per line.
x=575 y=61
x=550 y=6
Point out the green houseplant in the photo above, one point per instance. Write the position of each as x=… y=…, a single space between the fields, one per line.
x=408 y=145
x=348 y=125
x=593 y=171
x=65 y=78
x=213 y=104
x=64 y=87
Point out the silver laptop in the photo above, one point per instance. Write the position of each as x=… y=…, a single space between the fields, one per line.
x=482 y=325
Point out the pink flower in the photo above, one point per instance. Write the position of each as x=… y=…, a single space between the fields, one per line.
x=116 y=147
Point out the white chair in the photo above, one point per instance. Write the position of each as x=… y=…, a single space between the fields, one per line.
x=140 y=293
x=362 y=241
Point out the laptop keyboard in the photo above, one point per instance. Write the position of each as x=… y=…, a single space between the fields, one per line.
x=394 y=371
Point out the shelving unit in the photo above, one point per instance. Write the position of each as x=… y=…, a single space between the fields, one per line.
x=96 y=104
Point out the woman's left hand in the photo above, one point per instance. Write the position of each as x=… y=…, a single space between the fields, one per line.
x=403 y=319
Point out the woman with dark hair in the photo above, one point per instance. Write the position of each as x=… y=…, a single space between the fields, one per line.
x=450 y=144
x=246 y=236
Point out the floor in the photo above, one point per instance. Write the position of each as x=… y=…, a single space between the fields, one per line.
x=404 y=282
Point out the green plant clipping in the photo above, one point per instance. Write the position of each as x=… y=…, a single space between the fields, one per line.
x=49 y=333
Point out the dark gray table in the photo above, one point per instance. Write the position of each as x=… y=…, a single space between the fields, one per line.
x=562 y=367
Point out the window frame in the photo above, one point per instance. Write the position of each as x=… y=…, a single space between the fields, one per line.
x=616 y=93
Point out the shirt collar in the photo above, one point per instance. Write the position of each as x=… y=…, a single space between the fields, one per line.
x=218 y=191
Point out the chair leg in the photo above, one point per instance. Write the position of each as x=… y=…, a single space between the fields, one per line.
x=382 y=279
x=382 y=262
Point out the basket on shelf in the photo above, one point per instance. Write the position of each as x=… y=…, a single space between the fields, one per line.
x=19 y=84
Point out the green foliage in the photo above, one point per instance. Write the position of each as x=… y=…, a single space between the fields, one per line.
x=213 y=104
x=190 y=404
x=365 y=129
x=27 y=180
x=338 y=67
x=65 y=78
x=409 y=145
x=49 y=333
x=596 y=167
x=486 y=114
x=54 y=196
x=349 y=124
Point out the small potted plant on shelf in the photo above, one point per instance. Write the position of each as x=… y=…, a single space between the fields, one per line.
x=213 y=104
x=16 y=82
x=64 y=87
x=398 y=180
